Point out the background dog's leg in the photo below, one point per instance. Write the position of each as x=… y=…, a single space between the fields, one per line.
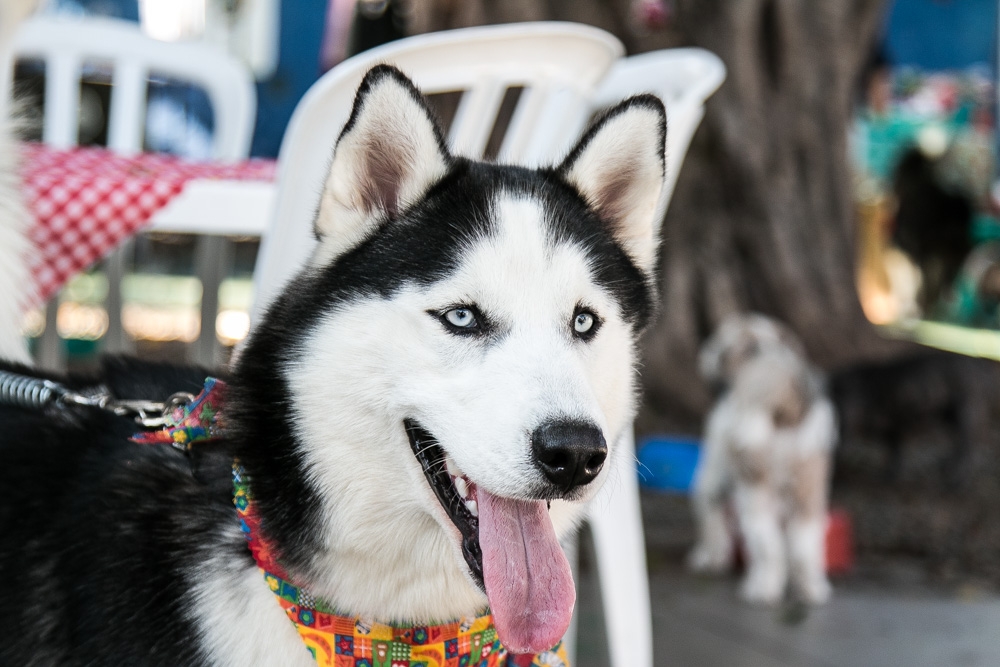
x=767 y=569
x=713 y=551
x=807 y=528
x=806 y=553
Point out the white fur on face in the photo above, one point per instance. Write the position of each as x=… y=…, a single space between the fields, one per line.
x=372 y=363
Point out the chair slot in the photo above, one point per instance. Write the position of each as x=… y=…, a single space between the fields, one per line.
x=469 y=133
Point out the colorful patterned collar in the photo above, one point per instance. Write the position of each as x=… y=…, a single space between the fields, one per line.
x=343 y=641
x=332 y=639
x=196 y=421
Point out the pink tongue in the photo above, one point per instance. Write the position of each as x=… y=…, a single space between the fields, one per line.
x=528 y=580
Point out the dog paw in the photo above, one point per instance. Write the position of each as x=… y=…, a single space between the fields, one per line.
x=816 y=591
x=704 y=560
x=762 y=589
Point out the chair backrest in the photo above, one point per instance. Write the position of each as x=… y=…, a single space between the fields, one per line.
x=67 y=44
x=684 y=79
x=558 y=65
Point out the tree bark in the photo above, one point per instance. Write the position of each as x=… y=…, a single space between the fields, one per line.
x=762 y=218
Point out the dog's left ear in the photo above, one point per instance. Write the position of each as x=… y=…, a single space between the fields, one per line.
x=388 y=156
x=619 y=167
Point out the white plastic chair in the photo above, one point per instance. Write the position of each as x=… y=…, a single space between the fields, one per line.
x=65 y=45
x=684 y=79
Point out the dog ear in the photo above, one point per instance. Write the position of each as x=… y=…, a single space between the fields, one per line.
x=389 y=154
x=619 y=168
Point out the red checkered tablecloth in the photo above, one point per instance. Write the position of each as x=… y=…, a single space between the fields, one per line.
x=88 y=200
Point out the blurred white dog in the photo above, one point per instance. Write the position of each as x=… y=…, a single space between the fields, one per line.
x=768 y=444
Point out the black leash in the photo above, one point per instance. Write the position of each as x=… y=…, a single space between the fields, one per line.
x=37 y=394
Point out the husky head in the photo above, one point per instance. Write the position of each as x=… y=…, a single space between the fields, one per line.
x=427 y=406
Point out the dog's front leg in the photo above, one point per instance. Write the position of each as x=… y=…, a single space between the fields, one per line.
x=713 y=552
x=809 y=500
x=806 y=547
x=807 y=524
x=757 y=510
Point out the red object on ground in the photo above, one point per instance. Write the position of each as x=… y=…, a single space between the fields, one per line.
x=85 y=201
x=839 y=542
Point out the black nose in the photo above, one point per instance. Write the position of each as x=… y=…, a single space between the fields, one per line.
x=569 y=453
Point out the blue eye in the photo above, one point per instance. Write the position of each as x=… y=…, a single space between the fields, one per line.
x=585 y=324
x=462 y=318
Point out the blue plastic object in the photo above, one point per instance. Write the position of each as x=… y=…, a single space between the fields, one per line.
x=668 y=463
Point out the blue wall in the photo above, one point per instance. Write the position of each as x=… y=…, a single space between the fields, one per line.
x=942 y=34
x=302 y=26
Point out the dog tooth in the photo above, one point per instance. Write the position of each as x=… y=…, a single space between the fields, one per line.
x=473 y=507
x=462 y=486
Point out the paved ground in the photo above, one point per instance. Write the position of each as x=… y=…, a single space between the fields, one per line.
x=701 y=623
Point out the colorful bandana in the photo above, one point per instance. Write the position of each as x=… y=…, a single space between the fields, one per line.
x=341 y=641
x=192 y=422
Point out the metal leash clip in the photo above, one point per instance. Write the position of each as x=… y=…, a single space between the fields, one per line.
x=148 y=414
x=26 y=391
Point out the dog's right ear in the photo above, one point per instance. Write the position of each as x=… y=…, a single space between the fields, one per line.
x=389 y=155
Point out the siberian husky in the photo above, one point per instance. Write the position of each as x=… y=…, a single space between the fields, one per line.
x=422 y=414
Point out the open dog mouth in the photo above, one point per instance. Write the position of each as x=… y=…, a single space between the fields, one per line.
x=511 y=548
x=455 y=493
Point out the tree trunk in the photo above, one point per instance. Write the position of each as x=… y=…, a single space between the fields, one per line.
x=762 y=218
